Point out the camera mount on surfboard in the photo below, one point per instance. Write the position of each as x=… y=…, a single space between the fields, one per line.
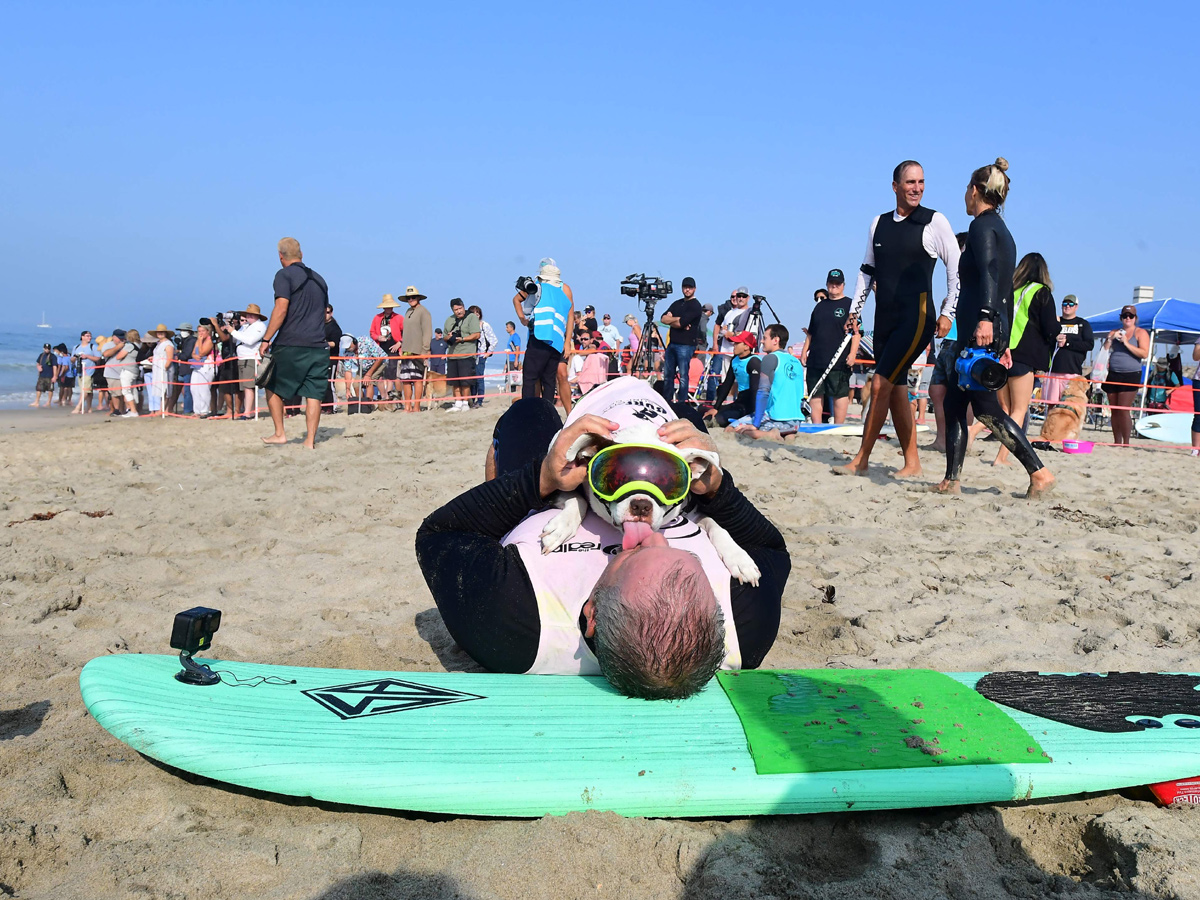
x=192 y=632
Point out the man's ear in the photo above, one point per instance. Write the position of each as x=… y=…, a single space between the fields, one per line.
x=589 y=615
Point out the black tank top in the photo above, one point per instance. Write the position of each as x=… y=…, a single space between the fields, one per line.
x=903 y=269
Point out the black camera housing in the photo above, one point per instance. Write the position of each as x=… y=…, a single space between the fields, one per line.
x=194 y=629
x=527 y=285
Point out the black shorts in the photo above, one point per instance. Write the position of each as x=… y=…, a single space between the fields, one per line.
x=901 y=336
x=460 y=371
x=835 y=386
x=1120 y=382
x=540 y=368
x=1018 y=369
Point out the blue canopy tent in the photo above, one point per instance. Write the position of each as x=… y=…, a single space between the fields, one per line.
x=1168 y=321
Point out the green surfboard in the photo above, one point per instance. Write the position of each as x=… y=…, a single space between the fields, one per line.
x=758 y=742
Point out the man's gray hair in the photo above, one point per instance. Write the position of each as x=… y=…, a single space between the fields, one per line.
x=289 y=249
x=666 y=646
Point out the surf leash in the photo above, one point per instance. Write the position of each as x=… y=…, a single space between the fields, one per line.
x=833 y=362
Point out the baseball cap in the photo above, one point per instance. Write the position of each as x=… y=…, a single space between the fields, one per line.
x=689 y=282
x=1129 y=309
x=589 y=309
x=437 y=331
x=835 y=276
x=45 y=346
x=743 y=290
x=745 y=337
x=707 y=307
x=1070 y=300
x=118 y=332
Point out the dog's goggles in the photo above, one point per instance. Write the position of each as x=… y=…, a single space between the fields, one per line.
x=624 y=469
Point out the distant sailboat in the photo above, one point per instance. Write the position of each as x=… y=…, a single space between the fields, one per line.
x=44 y=323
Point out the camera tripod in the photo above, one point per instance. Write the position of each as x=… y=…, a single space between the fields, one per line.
x=754 y=321
x=643 y=358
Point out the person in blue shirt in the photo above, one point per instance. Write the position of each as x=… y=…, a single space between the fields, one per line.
x=512 y=362
x=778 y=405
x=88 y=356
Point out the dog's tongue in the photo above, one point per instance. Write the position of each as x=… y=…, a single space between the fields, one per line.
x=635 y=534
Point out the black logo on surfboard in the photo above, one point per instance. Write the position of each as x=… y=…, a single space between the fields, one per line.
x=384 y=695
x=1119 y=702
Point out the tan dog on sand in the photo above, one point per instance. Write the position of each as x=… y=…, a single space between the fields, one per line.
x=1063 y=422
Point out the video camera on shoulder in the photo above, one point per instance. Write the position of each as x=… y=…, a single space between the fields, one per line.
x=979 y=369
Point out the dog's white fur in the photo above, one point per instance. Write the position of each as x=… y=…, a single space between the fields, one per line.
x=575 y=505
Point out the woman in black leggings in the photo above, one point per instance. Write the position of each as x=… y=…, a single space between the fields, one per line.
x=984 y=313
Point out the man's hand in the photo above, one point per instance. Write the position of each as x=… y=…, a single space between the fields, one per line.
x=1061 y=340
x=943 y=326
x=684 y=435
x=983 y=333
x=557 y=473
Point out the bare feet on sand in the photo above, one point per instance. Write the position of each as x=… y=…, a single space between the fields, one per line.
x=907 y=472
x=944 y=487
x=1040 y=483
x=850 y=468
x=275 y=439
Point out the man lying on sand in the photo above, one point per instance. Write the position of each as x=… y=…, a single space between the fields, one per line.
x=657 y=618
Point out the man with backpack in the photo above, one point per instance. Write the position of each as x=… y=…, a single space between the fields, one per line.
x=299 y=364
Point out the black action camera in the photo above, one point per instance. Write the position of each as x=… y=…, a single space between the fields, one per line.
x=192 y=632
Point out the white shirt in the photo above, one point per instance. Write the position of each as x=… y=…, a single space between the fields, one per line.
x=576 y=367
x=248 y=338
x=727 y=325
x=939 y=242
x=612 y=337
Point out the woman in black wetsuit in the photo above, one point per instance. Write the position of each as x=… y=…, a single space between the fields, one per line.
x=984 y=313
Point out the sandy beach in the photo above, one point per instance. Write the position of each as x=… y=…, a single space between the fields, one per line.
x=310 y=557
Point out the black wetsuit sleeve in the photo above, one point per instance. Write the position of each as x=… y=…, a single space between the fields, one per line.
x=753 y=368
x=755 y=609
x=991 y=297
x=481 y=587
x=726 y=386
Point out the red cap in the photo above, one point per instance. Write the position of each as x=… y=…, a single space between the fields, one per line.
x=745 y=337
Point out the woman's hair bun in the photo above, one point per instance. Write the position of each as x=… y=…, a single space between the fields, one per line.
x=1001 y=163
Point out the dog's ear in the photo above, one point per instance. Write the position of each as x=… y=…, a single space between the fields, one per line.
x=700 y=460
x=585 y=447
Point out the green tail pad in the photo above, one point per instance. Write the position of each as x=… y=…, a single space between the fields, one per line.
x=831 y=720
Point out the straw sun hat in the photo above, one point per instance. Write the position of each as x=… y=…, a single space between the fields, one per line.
x=253 y=309
x=388 y=302
x=411 y=293
x=161 y=330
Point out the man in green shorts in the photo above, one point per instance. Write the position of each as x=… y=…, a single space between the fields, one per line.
x=300 y=351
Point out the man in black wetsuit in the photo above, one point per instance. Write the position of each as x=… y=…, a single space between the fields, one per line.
x=500 y=598
x=902 y=250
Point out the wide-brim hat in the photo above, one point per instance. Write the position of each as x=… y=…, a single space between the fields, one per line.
x=186 y=326
x=387 y=302
x=161 y=329
x=411 y=293
x=252 y=309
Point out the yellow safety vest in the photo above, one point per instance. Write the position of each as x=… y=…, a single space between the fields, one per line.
x=1022 y=301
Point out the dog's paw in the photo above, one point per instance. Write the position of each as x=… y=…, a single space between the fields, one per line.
x=564 y=524
x=741 y=566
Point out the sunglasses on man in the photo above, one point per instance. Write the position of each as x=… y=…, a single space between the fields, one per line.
x=744 y=296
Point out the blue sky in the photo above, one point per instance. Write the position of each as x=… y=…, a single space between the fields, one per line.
x=152 y=154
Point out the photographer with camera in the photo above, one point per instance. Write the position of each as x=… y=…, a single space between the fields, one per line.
x=547 y=306
x=683 y=318
x=462 y=332
x=985 y=306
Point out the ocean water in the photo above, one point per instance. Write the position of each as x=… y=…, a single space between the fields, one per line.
x=19 y=349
